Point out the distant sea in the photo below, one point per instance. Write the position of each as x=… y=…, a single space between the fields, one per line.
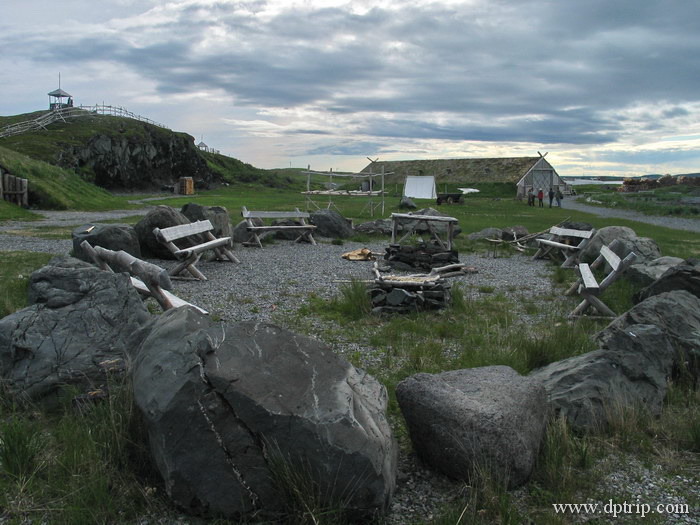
x=577 y=182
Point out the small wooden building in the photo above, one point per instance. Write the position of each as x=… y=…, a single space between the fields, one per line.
x=56 y=99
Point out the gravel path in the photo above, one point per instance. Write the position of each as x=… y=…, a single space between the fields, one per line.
x=676 y=223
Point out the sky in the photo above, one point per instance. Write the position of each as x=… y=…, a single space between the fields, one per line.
x=604 y=87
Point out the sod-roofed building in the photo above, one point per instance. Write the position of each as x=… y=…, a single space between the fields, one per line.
x=526 y=172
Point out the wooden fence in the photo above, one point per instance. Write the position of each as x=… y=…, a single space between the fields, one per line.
x=13 y=189
x=68 y=113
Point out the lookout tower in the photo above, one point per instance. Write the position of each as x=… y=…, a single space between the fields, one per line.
x=56 y=99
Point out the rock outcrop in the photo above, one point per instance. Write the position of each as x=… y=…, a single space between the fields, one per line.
x=114 y=237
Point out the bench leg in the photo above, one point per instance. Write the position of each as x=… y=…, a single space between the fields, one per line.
x=225 y=253
x=571 y=260
x=189 y=265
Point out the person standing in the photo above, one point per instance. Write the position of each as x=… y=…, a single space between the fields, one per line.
x=559 y=196
x=540 y=197
x=530 y=197
x=551 y=196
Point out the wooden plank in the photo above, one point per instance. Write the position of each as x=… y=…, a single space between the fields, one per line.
x=557 y=244
x=174 y=299
x=275 y=214
x=184 y=230
x=611 y=257
x=282 y=227
x=566 y=232
x=406 y=216
x=209 y=245
x=587 y=277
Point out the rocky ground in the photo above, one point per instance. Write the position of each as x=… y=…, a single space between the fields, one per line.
x=273 y=282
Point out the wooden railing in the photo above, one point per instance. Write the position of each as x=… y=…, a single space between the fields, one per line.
x=72 y=112
x=13 y=189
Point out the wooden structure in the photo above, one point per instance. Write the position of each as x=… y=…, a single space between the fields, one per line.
x=190 y=256
x=542 y=175
x=566 y=242
x=14 y=190
x=148 y=279
x=366 y=189
x=56 y=99
x=256 y=229
x=398 y=219
x=588 y=286
x=185 y=186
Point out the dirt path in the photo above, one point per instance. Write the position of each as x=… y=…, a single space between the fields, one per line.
x=676 y=223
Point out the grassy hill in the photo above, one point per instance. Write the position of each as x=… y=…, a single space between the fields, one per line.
x=52 y=187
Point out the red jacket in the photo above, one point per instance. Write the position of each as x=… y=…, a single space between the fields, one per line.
x=540 y=195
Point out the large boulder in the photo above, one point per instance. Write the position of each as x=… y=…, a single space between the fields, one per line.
x=407 y=204
x=486 y=233
x=114 y=237
x=645 y=248
x=421 y=227
x=483 y=417
x=648 y=272
x=217 y=215
x=677 y=314
x=159 y=217
x=330 y=223
x=684 y=276
x=237 y=414
x=82 y=322
x=630 y=370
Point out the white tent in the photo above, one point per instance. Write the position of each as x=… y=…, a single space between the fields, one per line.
x=420 y=187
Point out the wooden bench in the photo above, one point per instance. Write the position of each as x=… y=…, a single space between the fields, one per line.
x=557 y=247
x=256 y=230
x=190 y=256
x=148 y=279
x=398 y=219
x=588 y=286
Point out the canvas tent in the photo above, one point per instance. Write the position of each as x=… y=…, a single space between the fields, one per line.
x=542 y=175
x=420 y=187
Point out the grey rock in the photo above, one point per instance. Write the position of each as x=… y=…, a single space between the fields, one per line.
x=677 y=314
x=82 y=321
x=287 y=235
x=684 y=276
x=407 y=204
x=114 y=237
x=647 y=273
x=240 y=233
x=486 y=233
x=379 y=226
x=331 y=224
x=483 y=417
x=399 y=296
x=511 y=232
x=159 y=217
x=630 y=370
x=217 y=215
x=646 y=249
x=227 y=406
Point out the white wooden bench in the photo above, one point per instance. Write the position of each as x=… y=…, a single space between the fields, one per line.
x=588 y=286
x=148 y=279
x=256 y=230
x=557 y=246
x=398 y=219
x=190 y=256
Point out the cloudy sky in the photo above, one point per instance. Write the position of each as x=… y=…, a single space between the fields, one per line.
x=607 y=87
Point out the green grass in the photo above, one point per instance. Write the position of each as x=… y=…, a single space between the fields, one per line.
x=15 y=269
x=662 y=201
x=51 y=187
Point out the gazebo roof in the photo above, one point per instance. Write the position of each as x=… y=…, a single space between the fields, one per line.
x=58 y=93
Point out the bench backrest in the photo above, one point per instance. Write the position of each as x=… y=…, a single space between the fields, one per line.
x=567 y=232
x=185 y=230
x=296 y=214
x=610 y=257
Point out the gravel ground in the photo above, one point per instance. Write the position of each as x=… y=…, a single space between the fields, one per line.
x=272 y=283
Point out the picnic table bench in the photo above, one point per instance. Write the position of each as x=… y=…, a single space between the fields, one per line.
x=190 y=255
x=255 y=230
x=149 y=279
x=398 y=219
x=588 y=286
x=560 y=245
